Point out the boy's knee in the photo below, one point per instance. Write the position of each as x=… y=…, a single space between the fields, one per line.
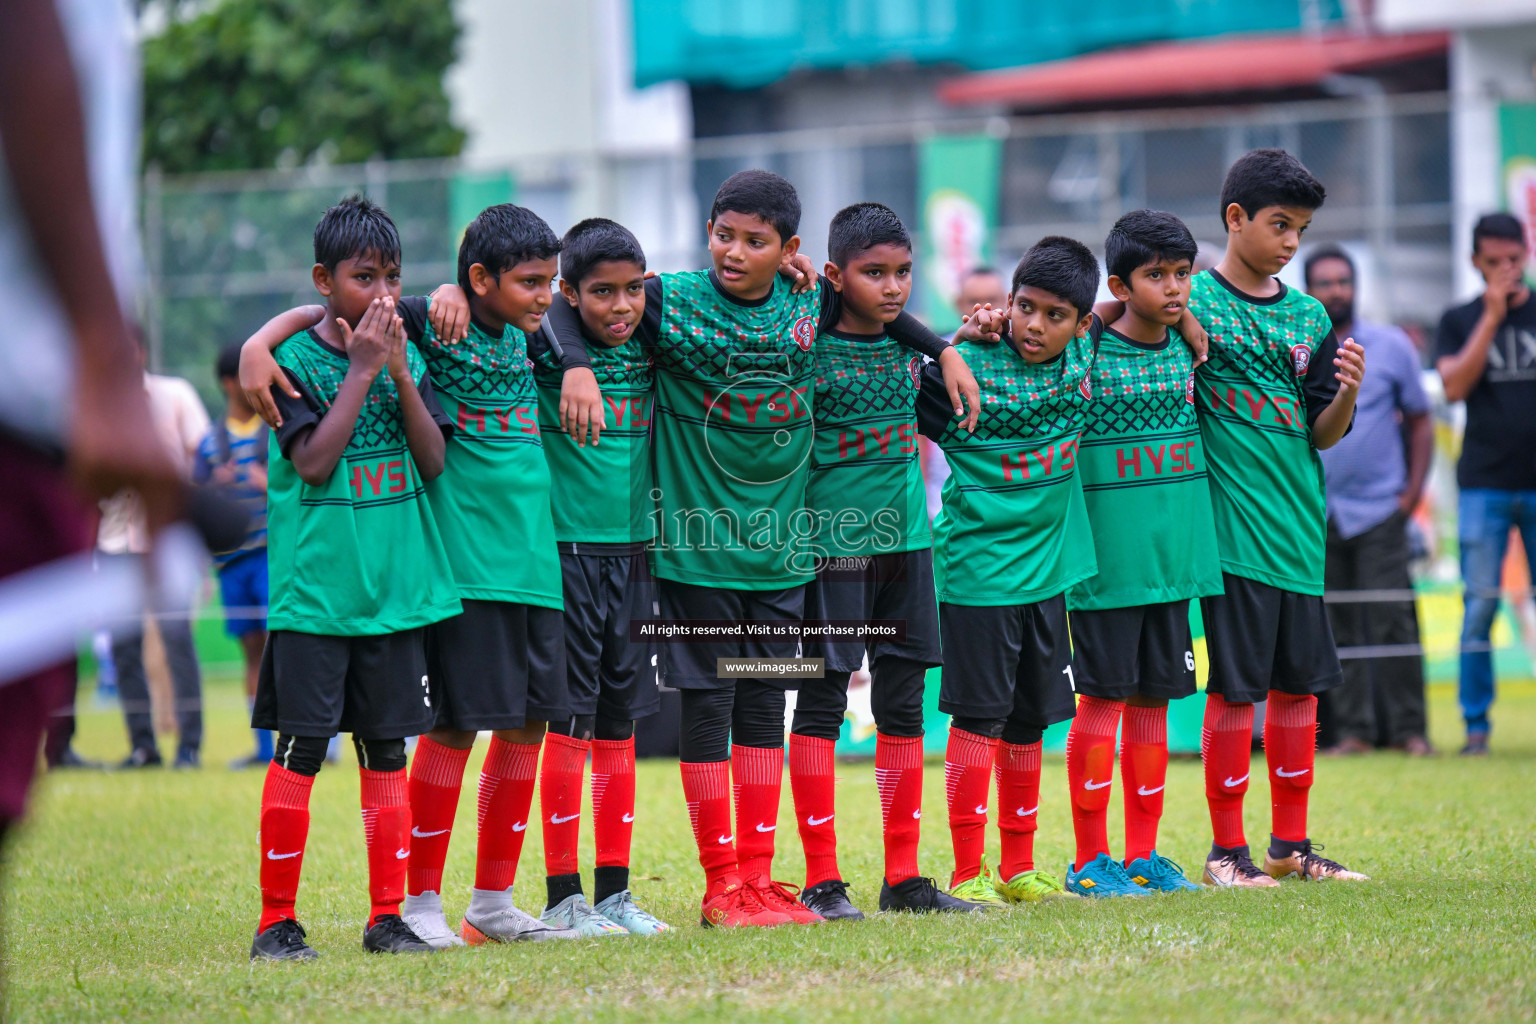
x=302 y=755
x=380 y=755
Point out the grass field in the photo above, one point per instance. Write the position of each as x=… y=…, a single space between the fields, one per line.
x=133 y=897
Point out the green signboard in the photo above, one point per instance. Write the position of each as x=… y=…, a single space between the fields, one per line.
x=957 y=185
x=1517 y=134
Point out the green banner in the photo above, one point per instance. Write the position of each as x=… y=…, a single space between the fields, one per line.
x=470 y=192
x=957 y=183
x=1517 y=169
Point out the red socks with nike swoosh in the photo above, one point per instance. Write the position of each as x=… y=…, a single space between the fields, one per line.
x=387 y=831
x=1018 y=790
x=758 y=776
x=967 y=773
x=1090 y=770
x=707 y=790
x=613 y=811
x=437 y=776
x=1226 y=746
x=899 y=777
x=1290 y=750
x=1144 y=773
x=814 y=786
x=565 y=761
x=506 y=795
x=284 y=831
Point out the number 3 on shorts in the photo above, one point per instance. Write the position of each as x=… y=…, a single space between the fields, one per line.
x=1070 y=680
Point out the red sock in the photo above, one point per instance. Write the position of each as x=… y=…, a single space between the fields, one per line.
x=899 y=776
x=758 y=776
x=1090 y=768
x=387 y=832
x=1018 y=811
x=1290 y=749
x=1226 y=744
x=613 y=800
x=813 y=785
x=707 y=788
x=506 y=794
x=967 y=767
x=1144 y=770
x=437 y=775
x=284 y=830
x=565 y=761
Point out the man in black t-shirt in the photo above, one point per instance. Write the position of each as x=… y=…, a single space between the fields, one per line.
x=1485 y=353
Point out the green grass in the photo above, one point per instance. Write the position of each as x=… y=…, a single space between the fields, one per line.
x=133 y=897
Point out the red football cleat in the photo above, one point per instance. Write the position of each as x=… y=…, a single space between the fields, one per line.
x=780 y=898
x=740 y=906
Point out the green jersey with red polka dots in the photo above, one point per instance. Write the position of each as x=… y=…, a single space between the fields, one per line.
x=1013 y=529
x=733 y=434
x=1144 y=478
x=866 y=487
x=492 y=499
x=1266 y=479
x=360 y=554
x=602 y=492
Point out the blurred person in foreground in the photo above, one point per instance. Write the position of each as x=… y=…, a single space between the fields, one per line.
x=1485 y=352
x=74 y=421
x=179 y=423
x=1374 y=484
x=232 y=457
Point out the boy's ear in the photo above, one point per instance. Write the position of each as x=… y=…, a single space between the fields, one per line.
x=569 y=291
x=709 y=228
x=790 y=248
x=1119 y=289
x=480 y=280
x=322 y=279
x=1235 y=217
x=834 y=274
x=1084 y=324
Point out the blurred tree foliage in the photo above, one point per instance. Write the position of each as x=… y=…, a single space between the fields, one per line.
x=261 y=83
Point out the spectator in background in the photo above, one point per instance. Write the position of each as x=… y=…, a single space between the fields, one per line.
x=179 y=423
x=1373 y=487
x=1486 y=355
x=233 y=458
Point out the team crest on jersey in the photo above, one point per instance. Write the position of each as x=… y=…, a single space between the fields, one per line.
x=804 y=333
x=1085 y=388
x=1189 y=389
x=915 y=368
x=1301 y=358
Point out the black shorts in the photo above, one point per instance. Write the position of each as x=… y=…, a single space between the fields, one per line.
x=896 y=587
x=607 y=673
x=1262 y=638
x=1010 y=662
x=499 y=665
x=1144 y=651
x=374 y=687
x=692 y=666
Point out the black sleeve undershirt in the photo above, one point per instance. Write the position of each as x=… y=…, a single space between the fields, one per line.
x=1320 y=386
x=934 y=411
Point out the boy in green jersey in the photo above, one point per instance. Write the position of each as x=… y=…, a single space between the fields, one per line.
x=500 y=666
x=358 y=569
x=1144 y=483
x=601 y=500
x=1010 y=540
x=731 y=444
x=874 y=566
x=1278 y=386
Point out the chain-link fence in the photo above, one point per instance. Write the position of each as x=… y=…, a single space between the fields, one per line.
x=226 y=251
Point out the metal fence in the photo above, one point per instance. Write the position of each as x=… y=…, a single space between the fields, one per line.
x=226 y=251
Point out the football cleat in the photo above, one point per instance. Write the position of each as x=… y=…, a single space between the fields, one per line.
x=920 y=896
x=497 y=919
x=1307 y=865
x=574 y=913
x=423 y=914
x=1101 y=878
x=830 y=900
x=1234 y=869
x=283 y=940
x=980 y=889
x=389 y=934
x=780 y=898
x=1156 y=873
x=622 y=910
x=739 y=906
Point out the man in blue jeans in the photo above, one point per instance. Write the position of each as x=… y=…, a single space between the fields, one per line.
x=1486 y=356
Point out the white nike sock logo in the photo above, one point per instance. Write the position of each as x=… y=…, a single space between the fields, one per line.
x=765 y=828
x=1290 y=775
x=1021 y=812
x=724 y=839
x=519 y=826
x=419 y=834
x=1144 y=791
x=1230 y=781
x=1090 y=784
x=981 y=809
x=813 y=821
x=274 y=855
x=627 y=818
x=556 y=819
x=402 y=854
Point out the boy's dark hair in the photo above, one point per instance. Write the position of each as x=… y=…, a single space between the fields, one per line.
x=502 y=237
x=859 y=228
x=1147 y=236
x=761 y=194
x=1497 y=225
x=228 y=363
x=1062 y=266
x=355 y=227
x=1269 y=177
x=597 y=240
x=1324 y=252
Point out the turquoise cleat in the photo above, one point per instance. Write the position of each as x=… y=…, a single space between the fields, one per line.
x=1102 y=877
x=1156 y=873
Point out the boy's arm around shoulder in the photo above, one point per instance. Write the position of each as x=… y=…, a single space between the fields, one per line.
x=581 y=400
x=934 y=411
x=315 y=448
x=260 y=376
